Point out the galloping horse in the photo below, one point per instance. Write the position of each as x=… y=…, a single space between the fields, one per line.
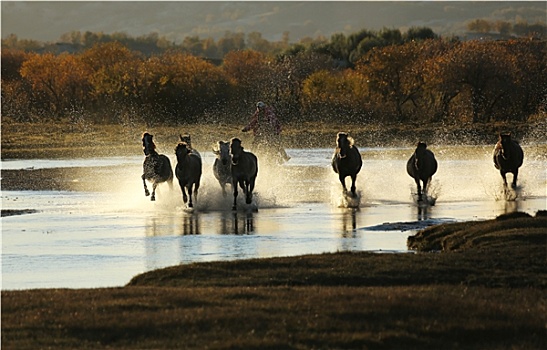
x=222 y=165
x=346 y=160
x=508 y=157
x=188 y=172
x=421 y=166
x=156 y=167
x=244 y=171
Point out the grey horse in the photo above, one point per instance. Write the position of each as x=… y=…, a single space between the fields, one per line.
x=222 y=167
x=156 y=167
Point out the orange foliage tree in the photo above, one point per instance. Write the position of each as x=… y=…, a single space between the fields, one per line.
x=59 y=82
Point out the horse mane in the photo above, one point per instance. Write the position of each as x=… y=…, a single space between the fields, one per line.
x=151 y=145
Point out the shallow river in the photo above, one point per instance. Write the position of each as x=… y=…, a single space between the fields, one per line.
x=102 y=239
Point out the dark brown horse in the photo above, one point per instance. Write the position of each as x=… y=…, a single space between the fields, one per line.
x=346 y=161
x=508 y=158
x=188 y=172
x=156 y=167
x=222 y=167
x=421 y=166
x=244 y=171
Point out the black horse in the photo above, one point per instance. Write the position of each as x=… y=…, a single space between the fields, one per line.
x=346 y=160
x=421 y=166
x=156 y=167
x=222 y=167
x=188 y=172
x=508 y=158
x=244 y=171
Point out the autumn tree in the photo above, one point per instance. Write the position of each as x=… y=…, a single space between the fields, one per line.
x=114 y=73
x=253 y=75
x=182 y=86
x=15 y=90
x=340 y=96
x=394 y=74
x=484 y=73
x=59 y=82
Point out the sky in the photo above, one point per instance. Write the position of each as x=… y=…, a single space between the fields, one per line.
x=47 y=21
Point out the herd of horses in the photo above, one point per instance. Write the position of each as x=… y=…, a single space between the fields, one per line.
x=237 y=167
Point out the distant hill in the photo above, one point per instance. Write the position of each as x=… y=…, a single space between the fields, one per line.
x=47 y=21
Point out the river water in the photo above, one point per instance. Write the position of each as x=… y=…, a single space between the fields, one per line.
x=89 y=239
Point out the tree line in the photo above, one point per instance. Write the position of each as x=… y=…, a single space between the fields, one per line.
x=367 y=77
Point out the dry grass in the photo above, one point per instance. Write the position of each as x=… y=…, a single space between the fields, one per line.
x=424 y=317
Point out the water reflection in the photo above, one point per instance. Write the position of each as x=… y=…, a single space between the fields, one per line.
x=190 y=224
x=237 y=223
x=159 y=225
x=423 y=212
x=349 y=219
x=511 y=206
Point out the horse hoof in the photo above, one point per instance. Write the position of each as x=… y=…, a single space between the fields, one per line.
x=153 y=199
x=146 y=193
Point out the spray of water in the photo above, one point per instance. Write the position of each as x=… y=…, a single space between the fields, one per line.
x=464 y=174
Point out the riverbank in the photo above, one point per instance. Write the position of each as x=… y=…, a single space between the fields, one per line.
x=69 y=140
x=486 y=292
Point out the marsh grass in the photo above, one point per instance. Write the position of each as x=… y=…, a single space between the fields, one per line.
x=65 y=139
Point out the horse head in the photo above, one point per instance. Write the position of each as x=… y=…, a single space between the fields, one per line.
x=181 y=151
x=505 y=142
x=148 y=144
x=186 y=139
x=222 y=151
x=235 y=150
x=343 y=144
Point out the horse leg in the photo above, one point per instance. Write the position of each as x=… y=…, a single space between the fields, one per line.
x=223 y=186
x=343 y=182
x=146 y=192
x=183 y=189
x=154 y=185
x=424 y=188
x=353 y=179
x=419 y=189
x=504 y=177
x=234 y=189
x=196 y=188
x=515 y=175
x=190 y=204
x=249 y=195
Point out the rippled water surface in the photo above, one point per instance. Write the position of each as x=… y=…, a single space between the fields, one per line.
x=99 y=239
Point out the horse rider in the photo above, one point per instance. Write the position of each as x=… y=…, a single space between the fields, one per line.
x=266 y=128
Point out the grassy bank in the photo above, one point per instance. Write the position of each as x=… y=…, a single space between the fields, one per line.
x=63 y=139
x=484 y=294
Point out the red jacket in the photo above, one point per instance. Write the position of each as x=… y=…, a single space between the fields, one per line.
x=264 y=122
